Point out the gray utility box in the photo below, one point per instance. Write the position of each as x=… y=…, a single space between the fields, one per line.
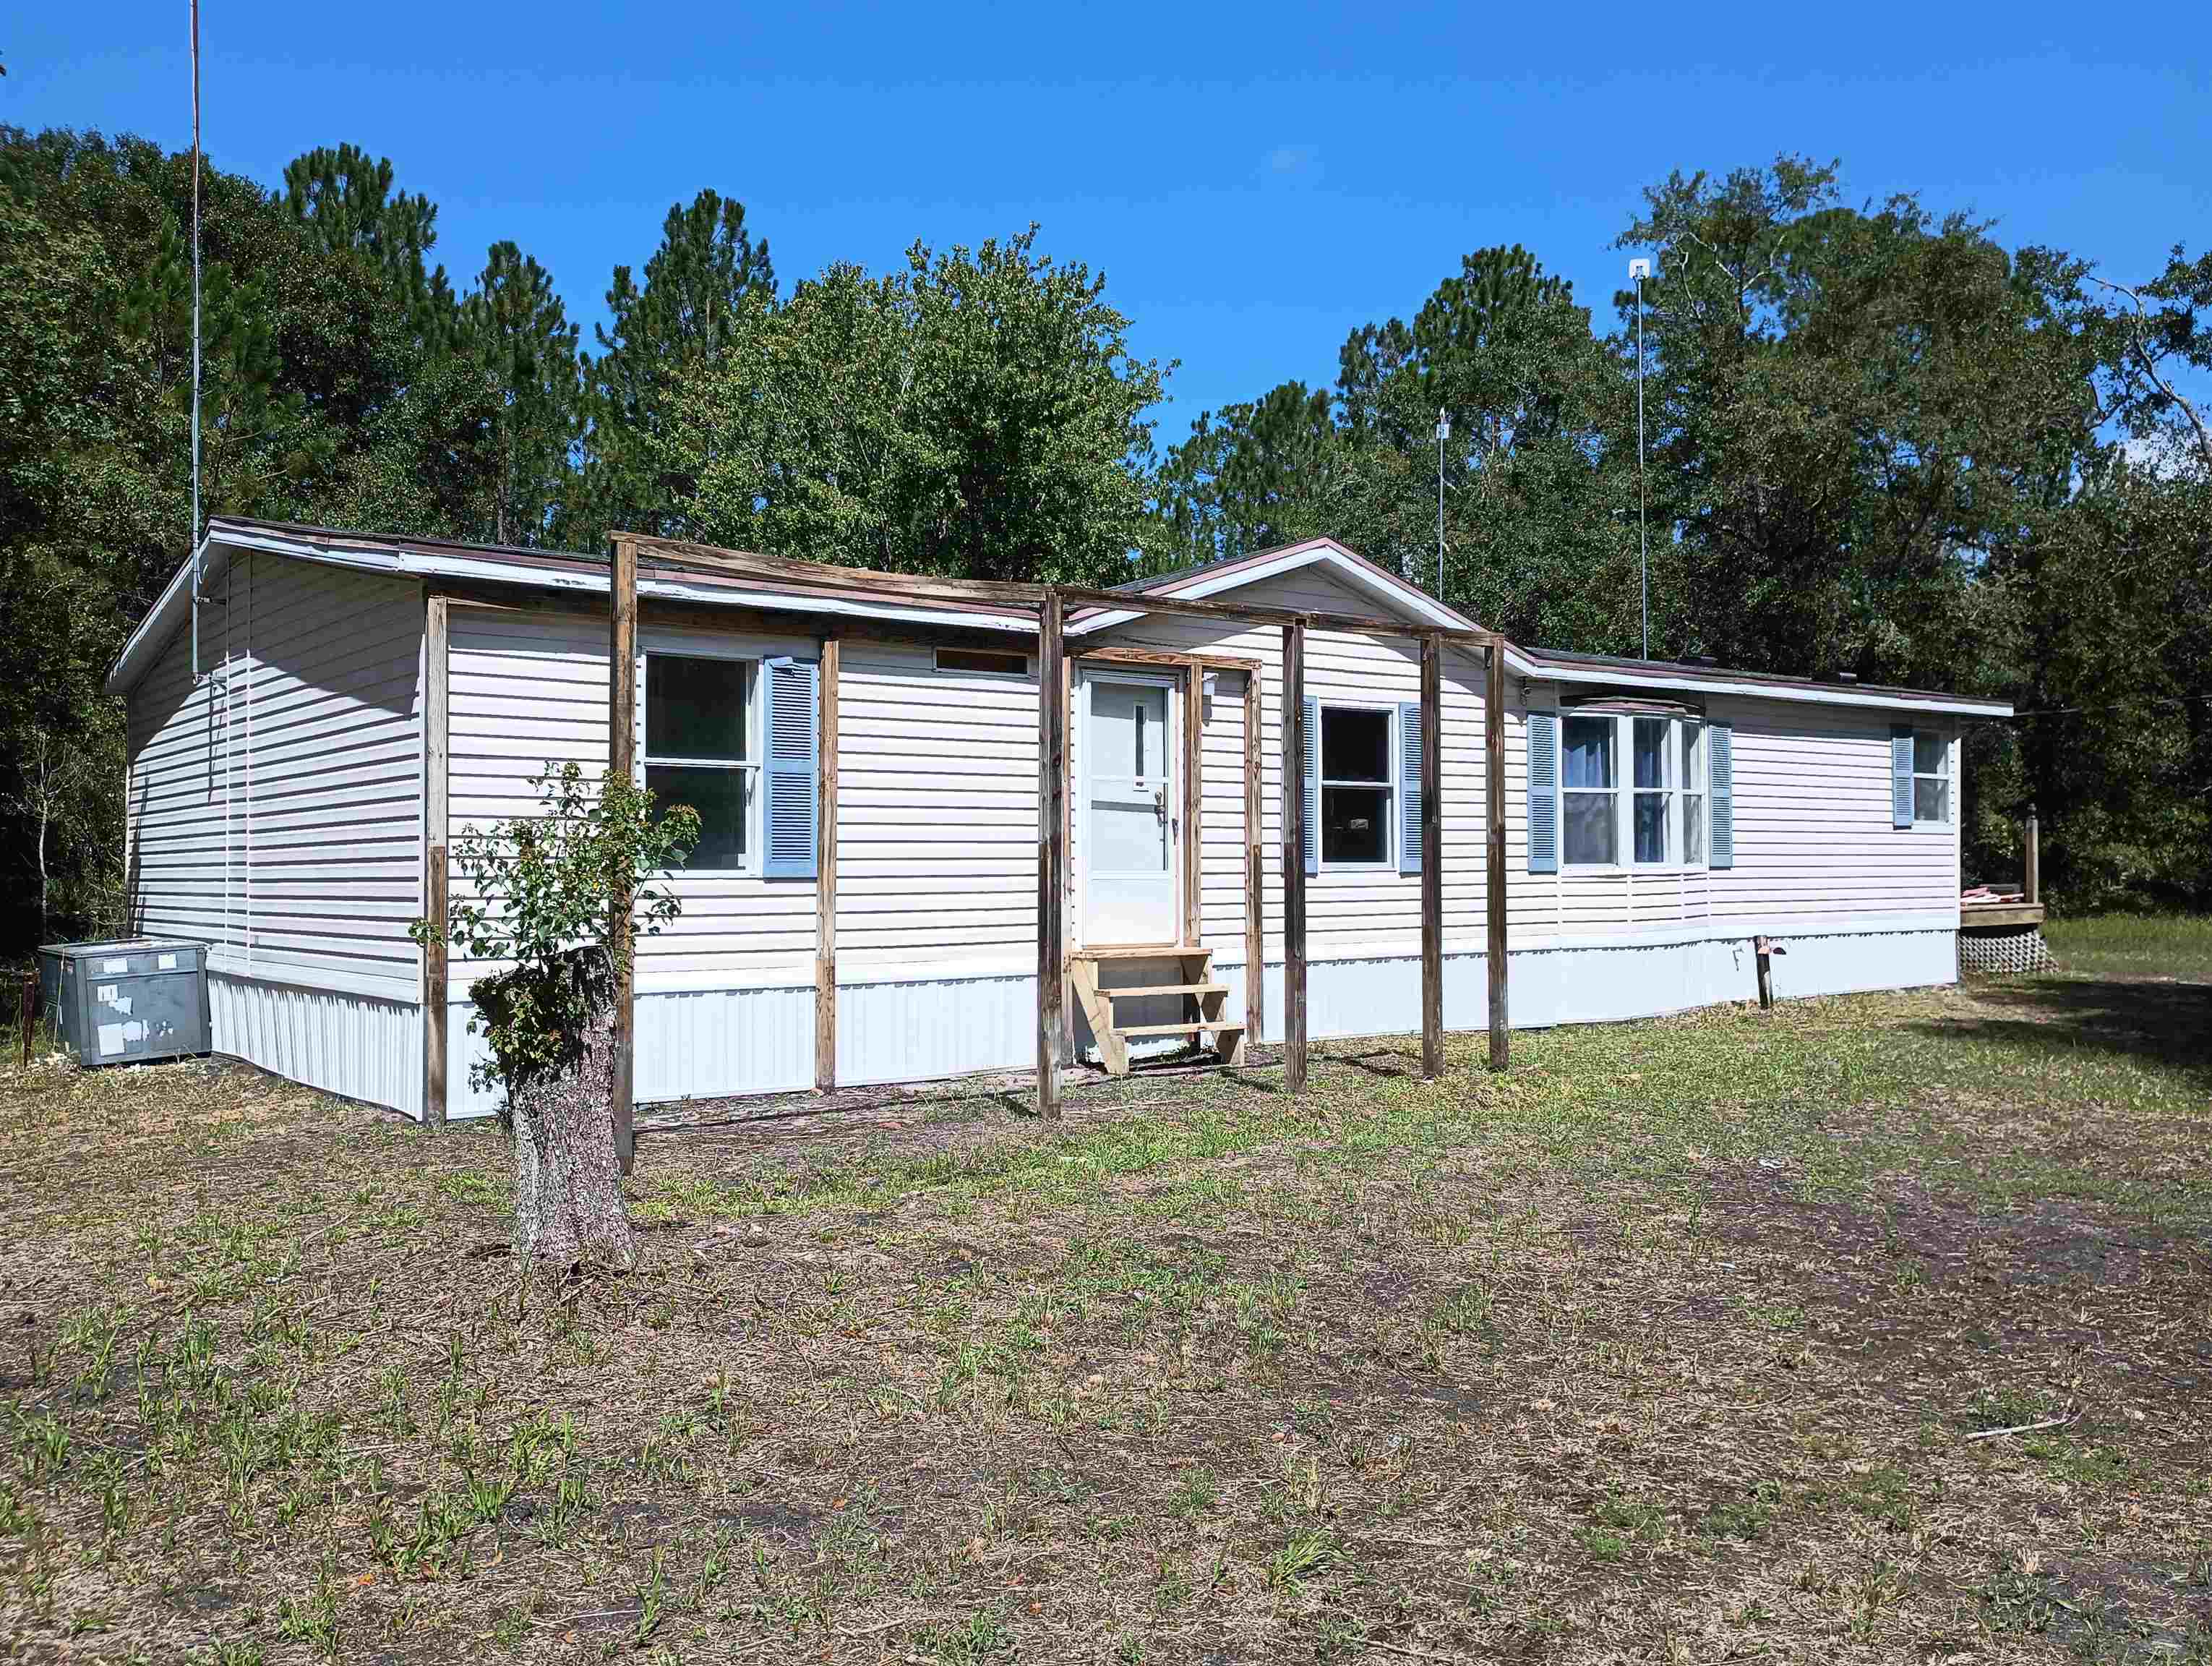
x=129 y=1002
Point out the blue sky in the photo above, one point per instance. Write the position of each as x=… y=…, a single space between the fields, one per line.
x=1256 y=181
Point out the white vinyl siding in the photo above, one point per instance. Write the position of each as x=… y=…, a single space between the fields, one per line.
x=529 y=687
x=937 y=793
x=1813 y=838
x=276 y=808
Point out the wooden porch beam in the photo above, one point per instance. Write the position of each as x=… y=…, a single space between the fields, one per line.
x=1293 y=727
x=1493 y=747
x=825 y=878
x=622 y=760
x=1052 y=854
x=1432 y=859
x=929 y=588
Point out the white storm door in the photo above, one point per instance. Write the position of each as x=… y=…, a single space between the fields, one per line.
x=1132 y=817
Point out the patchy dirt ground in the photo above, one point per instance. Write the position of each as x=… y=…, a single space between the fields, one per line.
x=1675 y=1344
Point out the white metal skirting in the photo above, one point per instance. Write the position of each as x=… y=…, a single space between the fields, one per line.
x=363 y=1046
x=710 y=1043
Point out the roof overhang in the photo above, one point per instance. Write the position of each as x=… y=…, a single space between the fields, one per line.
x=459 y=563
x=1538 y=668
x=584 y=575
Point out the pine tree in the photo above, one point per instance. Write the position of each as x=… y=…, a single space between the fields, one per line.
x=517 y=335
x=707 y=273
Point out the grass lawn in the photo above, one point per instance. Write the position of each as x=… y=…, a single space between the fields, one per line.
x=1669 y=1346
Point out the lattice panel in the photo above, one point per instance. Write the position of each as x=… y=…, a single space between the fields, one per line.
x=2006 y=952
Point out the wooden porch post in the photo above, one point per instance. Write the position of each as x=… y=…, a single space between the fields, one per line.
x=1293 y=727
x=622 y=757
x=2031 y=858
x=1052 y=850
x=1194 y=803
x=1432 y=859
x=436 y=725
x=825 y=879
x=1493 y=747
x=1255 y=871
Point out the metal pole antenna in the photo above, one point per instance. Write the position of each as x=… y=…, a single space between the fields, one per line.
x=195 y=544
x=1639 y=270
x=1443 y=433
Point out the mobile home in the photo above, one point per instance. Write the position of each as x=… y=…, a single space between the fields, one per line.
x=307 y=740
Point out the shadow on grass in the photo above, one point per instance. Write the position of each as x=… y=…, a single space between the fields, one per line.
x=2166 y=1024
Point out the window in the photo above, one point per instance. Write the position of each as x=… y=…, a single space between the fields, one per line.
x=985 y=661
x=1661 y=817
x=1657 y=784
x=1355 y=786
x=1693 y=792
x=699 y=750
x=1587 y=790
x=1931 y=777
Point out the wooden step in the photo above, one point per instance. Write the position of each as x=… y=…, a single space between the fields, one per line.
x=1139 y=952
x=1202 y=1027
x=1132 y=991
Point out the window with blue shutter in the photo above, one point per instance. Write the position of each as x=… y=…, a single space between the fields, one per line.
x=1312 y=817
x=1900 y=774
x=1409 y=787
x=1720 y=761
x=1543 y=792
x=794 y=732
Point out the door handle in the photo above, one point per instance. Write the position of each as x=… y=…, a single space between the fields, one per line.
x=1160 y=804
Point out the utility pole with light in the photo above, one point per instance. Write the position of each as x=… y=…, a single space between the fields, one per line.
x=194 y=546
x=1443 y=433
x=1638 y=270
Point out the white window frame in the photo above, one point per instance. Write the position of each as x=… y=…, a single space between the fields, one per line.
x=1942 y=775
x=1699 y=792
x=1624 y=792
x=1612 y=792
x=755 y=672
x=1389 y=861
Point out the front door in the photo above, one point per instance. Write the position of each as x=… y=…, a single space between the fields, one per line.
x=1131 y=835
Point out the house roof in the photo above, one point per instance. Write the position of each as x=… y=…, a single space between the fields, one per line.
x=1209 y=578
x=573 y=572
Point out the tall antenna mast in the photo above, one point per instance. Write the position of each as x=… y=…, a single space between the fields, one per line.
x=1443 y=433
x=1640 y=269
x=196 y=341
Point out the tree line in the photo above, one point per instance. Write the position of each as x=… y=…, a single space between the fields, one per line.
x=1878 y=442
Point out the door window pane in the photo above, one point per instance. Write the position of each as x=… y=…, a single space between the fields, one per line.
x=1128 y=834
x=695 y=707
x=1128 y=730
x=723 y=799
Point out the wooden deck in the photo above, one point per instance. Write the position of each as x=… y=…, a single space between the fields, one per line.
x=1971 y=915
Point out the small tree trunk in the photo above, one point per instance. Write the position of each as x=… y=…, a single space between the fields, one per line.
x=569 y=1207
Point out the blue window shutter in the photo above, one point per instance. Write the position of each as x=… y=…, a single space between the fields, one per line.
x=1409 y=787
x=1313 y=784
x=794 y=732
x=1900 y=774
x=1720 y=793
x=1543 y=792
